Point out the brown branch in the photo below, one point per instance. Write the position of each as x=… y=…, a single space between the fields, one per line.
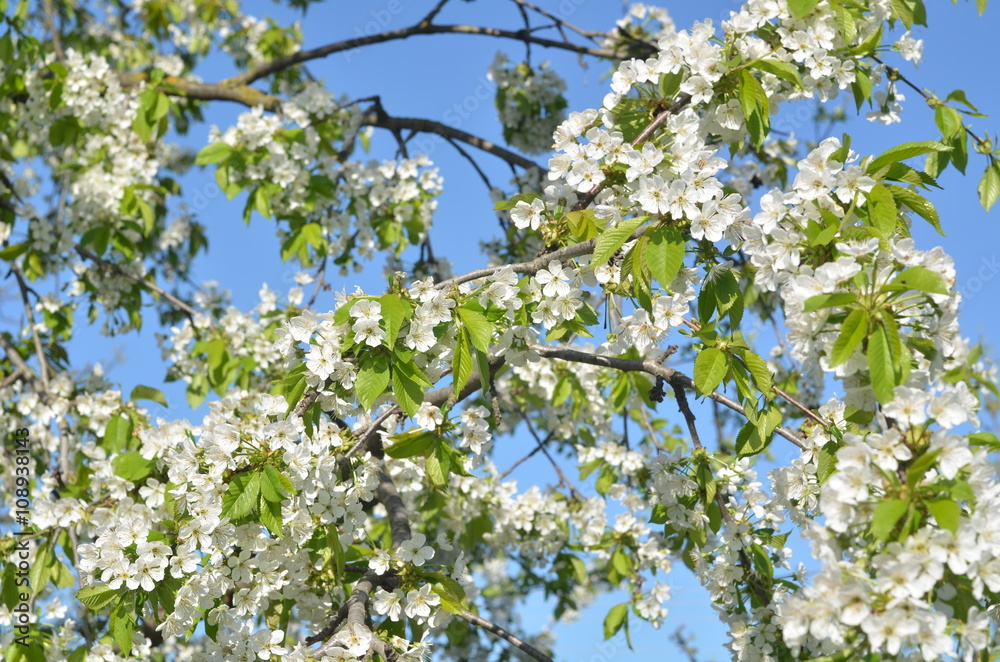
x=527 y=457
x=50 y=23
x=555 y=465
x=421 y=125
x=644 y=135
x=152 y=287
x=506 y=635
x=685 y=409
x=43 y=371
x=425 y=27
x=535 y=265
x=895 y=74
x=669 y=375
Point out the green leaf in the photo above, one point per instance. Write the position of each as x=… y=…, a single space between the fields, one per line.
x=122 y=623
x=117 y=433
x=868 y=45
x=451 y=593
x=270 y=515
x=989 y=185
x=882 y=209
x=887 y=514
x=946 y=512
x=756 y=107
x=784 y=70
x=761 y=373
x=880 y=365
x=921 y=279
x=665 y=253
x=15 y=250
x=853 y=331
x=408 y=390
x=132 y=466
x=410 y=443
x=621 y=562
x=828 y=301
x=905 y=151
x=479 y=328
x=802 y=8
x=512 y=202
x=437 y=466
x=271 y=485
x=582 y=223
x=394 y=311
x=959 y=96
x=918 y=203
x=96 y=597
x=372 y=380
x=615 y=620
x=141 y=392
x=948 y=121
x=461 y=361
x=915 y=472
x=213 y=153
x=613 y=237
x=710 y=366
x=241 y=495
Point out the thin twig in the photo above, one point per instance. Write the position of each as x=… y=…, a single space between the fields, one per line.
x=152 y=287
x=648 y=366
x=43 y=371
x=506 y=635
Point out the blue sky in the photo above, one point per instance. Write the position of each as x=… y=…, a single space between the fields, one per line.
x=444 y=78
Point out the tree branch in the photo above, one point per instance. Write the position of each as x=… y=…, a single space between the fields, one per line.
x=152 y=287
x=395 y=124
x=671 y=376
x=506 y=635
x=43 y=365
x=425 y=27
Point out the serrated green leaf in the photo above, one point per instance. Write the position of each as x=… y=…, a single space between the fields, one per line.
x=270 y=515
x=132 y=466
x=710 y=366
x=612 y=239
x=905 y=151
x=408 y=391
x=480 y=329
x=887 y=514
x=141 y=392
x=241 y=495
x=461 y=361
x=989 y=185
x=97 y=597
x=410 y=443
x=828 y=301
x=117 y=433
x=615 y=619
x=270 y=484
x=946 y=512
x=394 y=312
x=921 y=279
x=213 y=153
x=665 y=253
x=802 y=8
x=437 y=466
x=919 y=204
x=761 y=373
x=882 y=209
x=372 y=380
x=784 y=70
x=852 y=333
x=880 y=365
